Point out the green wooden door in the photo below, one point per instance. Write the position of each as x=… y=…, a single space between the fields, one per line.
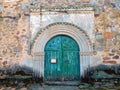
x=62 y=59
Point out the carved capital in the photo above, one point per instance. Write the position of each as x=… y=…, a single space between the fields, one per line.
x=39 y=53
x=86 y=53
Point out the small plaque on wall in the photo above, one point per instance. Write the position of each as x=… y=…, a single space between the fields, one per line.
x=53 y=60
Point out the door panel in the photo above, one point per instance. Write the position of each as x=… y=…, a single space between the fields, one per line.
x=71 y=65
x=65 y=51
x=52 y=70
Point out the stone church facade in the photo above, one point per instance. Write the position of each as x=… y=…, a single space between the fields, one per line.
x=28 y=27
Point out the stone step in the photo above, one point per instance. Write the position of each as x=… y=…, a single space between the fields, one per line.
x=66 y=83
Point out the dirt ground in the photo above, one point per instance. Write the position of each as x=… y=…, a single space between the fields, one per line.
x=38 y=87
x=45 y=87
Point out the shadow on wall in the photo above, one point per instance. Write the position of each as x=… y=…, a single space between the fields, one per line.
x=102 y=73
x=18 y=76
x=24 y=74
x=16 y=69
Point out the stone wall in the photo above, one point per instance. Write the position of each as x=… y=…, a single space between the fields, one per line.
x=15 y=32
x=107 y=28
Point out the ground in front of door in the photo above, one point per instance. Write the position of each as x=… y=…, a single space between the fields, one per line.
x=38 y=87
x=84 y=86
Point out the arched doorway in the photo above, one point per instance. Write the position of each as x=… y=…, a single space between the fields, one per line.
x=62 y=61
x=43 y=37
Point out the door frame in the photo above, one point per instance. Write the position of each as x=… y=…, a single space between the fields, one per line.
x=68 y=29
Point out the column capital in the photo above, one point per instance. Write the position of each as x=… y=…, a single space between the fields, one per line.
x=39 y=53
x=88 y=53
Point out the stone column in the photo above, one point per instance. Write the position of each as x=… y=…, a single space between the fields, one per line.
x=85 y=62
x=38 y=64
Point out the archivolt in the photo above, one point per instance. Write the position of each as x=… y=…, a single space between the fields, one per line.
x=61 y=28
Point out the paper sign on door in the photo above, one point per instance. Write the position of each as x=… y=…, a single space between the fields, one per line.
x=53 y=60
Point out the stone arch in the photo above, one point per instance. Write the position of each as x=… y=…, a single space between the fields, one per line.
x=68 y=29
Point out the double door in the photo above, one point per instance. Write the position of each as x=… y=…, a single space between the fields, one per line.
x=62 y=59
